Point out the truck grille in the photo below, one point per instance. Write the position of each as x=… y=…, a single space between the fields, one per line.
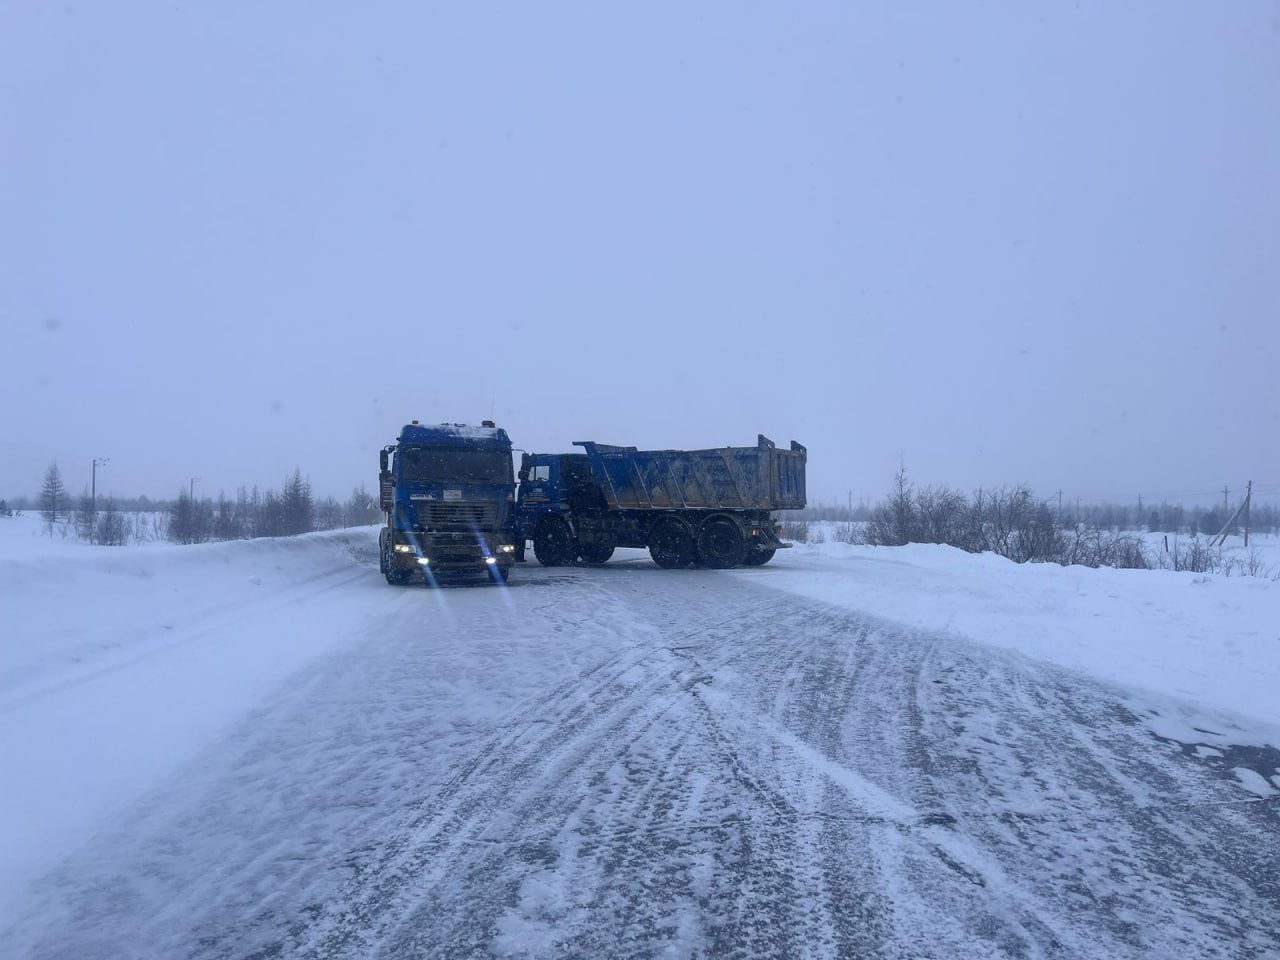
x=468 y=515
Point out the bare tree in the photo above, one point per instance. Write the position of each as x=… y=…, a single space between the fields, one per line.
x=86 y=517
x=110 y=530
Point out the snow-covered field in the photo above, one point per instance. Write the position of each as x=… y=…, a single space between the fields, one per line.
x=260 y=748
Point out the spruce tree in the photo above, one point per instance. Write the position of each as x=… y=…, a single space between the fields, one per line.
x=53 y=497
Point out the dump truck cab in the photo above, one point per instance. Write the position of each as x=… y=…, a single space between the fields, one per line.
x=448 y=495
x=562 y=509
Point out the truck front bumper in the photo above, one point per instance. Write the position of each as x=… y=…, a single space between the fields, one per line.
x=450 y=552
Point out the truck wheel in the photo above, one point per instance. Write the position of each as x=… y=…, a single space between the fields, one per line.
x=600 y=553
x=395 y=575
x=721 y=544
x=670 y=545
x=553 y=544
x=758 y=558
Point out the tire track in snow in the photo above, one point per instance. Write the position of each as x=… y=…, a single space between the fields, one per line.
x=586 y=722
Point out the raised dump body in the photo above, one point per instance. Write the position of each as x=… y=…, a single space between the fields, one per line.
x=725 y=478
x=709 y=507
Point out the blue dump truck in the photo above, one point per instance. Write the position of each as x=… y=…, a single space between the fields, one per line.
x=707 y=507
x=448 y=494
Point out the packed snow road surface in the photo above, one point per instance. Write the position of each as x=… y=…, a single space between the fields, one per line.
x=632 y=762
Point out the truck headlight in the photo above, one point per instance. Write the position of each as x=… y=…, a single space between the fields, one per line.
x=404 y=548
x=506 y=548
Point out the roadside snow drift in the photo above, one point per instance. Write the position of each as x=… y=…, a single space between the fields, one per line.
x=1182 y=642
x=117 y=663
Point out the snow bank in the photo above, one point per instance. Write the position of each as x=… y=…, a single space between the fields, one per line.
x=1182 y=642
x=117 y=663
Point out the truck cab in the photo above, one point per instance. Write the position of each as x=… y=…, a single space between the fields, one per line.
x=448 y=496
x=561 y=508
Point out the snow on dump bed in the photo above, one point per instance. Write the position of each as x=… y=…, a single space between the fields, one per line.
x=1182 y=642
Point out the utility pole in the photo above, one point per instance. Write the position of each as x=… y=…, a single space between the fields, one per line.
x=1059 y=506
x=850 y=504
x=97 y=462
x=192 y=493
x=1248 y=497
x=1225 y=491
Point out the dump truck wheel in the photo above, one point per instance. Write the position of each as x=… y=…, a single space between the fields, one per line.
x=397 y=577
x=597 y=554
x=758 y=558
x=553 y=544
x=670 y=545
x=721 y=544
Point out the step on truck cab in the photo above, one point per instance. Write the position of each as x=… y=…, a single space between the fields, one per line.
x=708 y=507
x=448 y=497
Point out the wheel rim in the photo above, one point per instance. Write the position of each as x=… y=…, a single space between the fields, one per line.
x=721 y=544
x=671 y=546
x=553 y=544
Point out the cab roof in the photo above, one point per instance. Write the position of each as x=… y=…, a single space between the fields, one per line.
x=454 y=435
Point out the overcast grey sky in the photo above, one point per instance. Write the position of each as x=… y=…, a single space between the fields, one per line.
x=1006 y=242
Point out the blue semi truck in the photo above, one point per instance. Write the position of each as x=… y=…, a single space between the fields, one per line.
x=688 y=507
x=448 y=495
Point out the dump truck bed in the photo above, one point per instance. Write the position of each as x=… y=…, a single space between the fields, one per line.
x=762 y=477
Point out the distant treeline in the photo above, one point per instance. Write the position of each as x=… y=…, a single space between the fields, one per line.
x=253 y=513
x=1153 y=517
x=1014 y=523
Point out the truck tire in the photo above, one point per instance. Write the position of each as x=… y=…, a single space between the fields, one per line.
x=671 y=545
x=758 y=558
x=599 y=553
x=721 y=544
x=395 y=576
x=553 y=543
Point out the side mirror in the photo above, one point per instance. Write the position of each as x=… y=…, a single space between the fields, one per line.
x=523 y=475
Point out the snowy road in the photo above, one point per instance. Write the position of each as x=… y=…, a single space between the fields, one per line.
x=631 y=762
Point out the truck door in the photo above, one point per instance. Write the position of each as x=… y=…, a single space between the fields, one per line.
x=536 y=482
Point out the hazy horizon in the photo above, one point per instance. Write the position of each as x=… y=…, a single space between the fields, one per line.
x=1000 y=244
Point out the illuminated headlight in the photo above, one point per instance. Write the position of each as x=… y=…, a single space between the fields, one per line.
x=404 y=548
x=506 y=548
x=423 y=560
x=490 y=559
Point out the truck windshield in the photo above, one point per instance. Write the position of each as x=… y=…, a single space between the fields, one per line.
x=456 y=464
